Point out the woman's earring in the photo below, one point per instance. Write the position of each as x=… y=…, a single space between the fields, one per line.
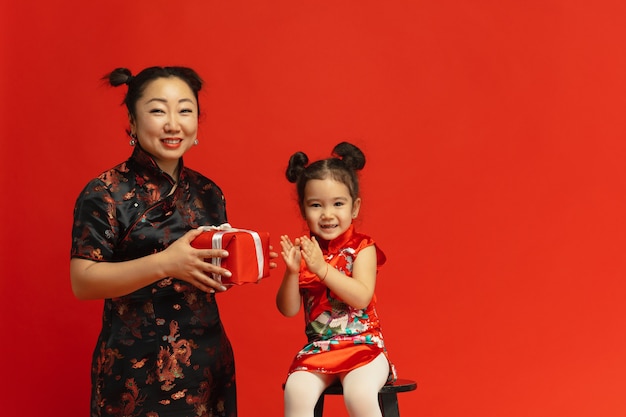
x=195 y=142
x=133 y=140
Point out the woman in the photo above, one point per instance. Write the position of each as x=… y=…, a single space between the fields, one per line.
x=162 y=350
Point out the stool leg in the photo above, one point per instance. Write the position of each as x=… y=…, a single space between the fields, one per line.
x=319 y=407
x=389 y=404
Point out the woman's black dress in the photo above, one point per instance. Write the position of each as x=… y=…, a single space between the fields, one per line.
x=162 y=350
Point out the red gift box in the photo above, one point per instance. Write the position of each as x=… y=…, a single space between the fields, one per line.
x=248 y=253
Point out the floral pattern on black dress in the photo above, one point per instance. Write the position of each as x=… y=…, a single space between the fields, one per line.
x=162 y=350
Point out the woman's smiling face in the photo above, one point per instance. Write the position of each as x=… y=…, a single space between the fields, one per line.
x=166 y=121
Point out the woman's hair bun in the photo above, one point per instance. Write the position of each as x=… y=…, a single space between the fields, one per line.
x=119 y=76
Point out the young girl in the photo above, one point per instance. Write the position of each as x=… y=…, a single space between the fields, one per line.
x=333 y=273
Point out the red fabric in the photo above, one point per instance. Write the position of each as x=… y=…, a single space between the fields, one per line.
x=338 y=359
x=340 y=337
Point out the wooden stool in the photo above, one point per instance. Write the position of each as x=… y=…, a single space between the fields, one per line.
x=387 y=397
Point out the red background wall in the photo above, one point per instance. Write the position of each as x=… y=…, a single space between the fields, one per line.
x=495 y=183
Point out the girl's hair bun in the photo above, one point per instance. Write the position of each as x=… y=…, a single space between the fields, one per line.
x=297 y=164
x=350 y=155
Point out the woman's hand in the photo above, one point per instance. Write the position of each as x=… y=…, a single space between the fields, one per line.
x=182 y=261
x=273 y=255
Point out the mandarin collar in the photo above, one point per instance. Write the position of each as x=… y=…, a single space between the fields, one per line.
x=338 y=243
x=145 y=165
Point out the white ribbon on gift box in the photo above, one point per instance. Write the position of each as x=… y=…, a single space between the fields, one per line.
x=217 y=244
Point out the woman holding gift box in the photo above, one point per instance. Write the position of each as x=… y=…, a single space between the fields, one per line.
x=333 y=273
x=162 y=350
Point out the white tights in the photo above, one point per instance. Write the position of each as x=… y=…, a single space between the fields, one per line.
x=360 y=389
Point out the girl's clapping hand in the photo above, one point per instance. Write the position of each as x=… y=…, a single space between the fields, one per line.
x=312 y=255
x=291 y=253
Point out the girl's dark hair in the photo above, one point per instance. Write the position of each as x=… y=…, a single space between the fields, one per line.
x=137 y=84
x=342 y=166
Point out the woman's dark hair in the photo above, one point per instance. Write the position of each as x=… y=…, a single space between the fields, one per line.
x=341 y=167
x=137 y=84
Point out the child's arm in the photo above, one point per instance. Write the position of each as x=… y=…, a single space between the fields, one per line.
x=356 y=291
x=288 y=298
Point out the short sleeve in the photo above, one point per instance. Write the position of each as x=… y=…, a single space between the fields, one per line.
x=95 y=227
x=381 y=258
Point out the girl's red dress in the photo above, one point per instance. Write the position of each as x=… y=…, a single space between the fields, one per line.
x=340 y=337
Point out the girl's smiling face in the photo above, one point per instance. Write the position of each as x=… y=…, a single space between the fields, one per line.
x=328 y=208
x=166 y=121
